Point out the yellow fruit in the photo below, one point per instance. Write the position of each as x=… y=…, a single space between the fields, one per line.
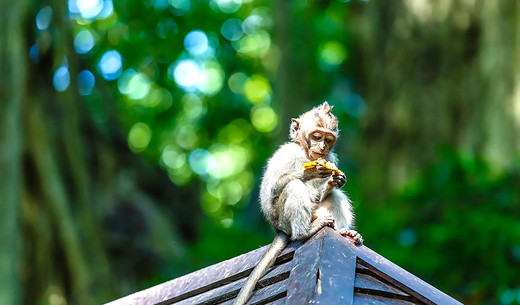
x=329 y=165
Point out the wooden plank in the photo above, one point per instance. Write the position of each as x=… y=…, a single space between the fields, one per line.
x=270 y=293
x=363 y=299
x=399 y=277
x=280 y=301
x=203 y=280
x=360 y=267
x=387 y=295
x=230 y=291
x=266 y=295
x=367 y=281
x=337 y=271
x=305 y=271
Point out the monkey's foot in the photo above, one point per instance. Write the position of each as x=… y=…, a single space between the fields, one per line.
x=358 y=239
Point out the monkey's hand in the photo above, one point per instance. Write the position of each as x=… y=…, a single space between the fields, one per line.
x=358 y=239
x=319 y=171
x=338 y=179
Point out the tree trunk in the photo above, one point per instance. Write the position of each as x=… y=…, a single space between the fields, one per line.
x=12 y=89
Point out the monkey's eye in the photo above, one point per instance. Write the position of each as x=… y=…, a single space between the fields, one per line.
x=317 y=136
x=329 y=141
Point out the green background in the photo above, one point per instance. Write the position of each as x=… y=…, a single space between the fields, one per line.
x=134 y=134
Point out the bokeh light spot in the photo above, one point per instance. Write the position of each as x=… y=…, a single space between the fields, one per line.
x=107 y=11
x=111 y=65
x=252 y=24
x=264 y=118
x=193 y=106
x=43 y=18
x=237 y=81
x=255 y=45
x=160 y=4
x=196 y=42
x=354 y=105
x=407 y=238
x=173 y=157
x=86 y=82
x=186 y=74
x=210 y=205
x=229 y=160
x=212 y=78
x=257 y=89
x=34 y=54
x=186 y=137
x=83 y=42
x=232 y=29
x=180 y=7
x=227 y=6
x=192 y=76
x=87 y=9
x=331 y=55
x=133 y=84
x=139 y=137
x=61 y=78
x=201 y=161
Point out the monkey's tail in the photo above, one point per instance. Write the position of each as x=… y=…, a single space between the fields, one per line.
x=279 y=243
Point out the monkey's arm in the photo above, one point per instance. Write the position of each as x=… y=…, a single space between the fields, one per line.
x=337 y=180
x=299 y=173
x=283 y=173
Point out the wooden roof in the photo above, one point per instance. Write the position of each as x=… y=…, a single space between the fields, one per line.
x=326 y=269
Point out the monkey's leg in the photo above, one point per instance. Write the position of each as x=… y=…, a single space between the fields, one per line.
x=297 y=212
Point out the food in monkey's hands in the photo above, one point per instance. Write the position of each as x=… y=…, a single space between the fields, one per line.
x=328 y=165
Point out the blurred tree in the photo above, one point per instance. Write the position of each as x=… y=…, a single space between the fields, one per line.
x=437 y=73
x=12 y=88
x=71 y=184
x=440 y=141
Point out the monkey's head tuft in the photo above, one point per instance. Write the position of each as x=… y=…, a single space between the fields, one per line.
x=323 y=117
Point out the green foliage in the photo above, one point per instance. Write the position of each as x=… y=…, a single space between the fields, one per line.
x=207 y=122
x=456 y=226
x=186 y=100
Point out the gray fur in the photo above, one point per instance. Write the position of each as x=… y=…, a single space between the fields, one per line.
x=296 y=202
x=288 y=200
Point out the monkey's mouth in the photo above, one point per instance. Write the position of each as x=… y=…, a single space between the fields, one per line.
x=317 y=155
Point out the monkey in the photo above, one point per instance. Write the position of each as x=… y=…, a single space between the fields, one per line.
x=298 y=202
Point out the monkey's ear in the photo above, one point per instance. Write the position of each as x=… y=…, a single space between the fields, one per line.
x=295 y=126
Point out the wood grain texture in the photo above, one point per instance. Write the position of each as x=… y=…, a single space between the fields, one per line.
x=305 y=271
x=203 y=280
x=337 y=271
x=230 y=291
x=366 y=281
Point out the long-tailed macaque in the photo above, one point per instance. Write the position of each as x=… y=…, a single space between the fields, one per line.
x=298 y=201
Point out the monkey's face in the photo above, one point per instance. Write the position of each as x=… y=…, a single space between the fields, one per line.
x=320 y=142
